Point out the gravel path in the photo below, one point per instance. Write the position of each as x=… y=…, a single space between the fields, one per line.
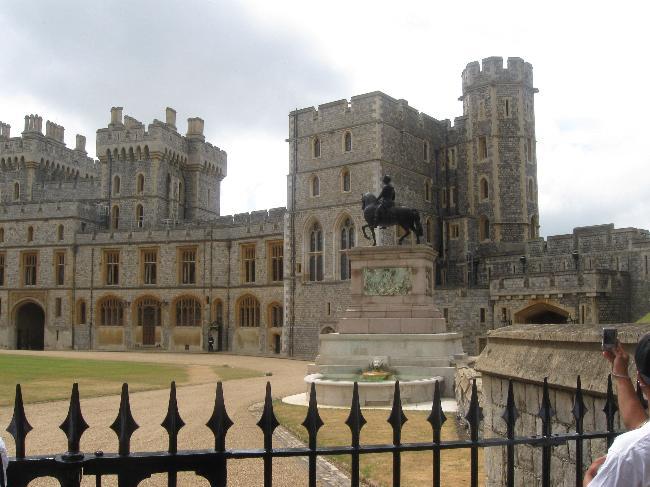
x=195 y=405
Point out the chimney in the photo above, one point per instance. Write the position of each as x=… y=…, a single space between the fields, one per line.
x=170 y=117
x=116 y=116
x=81 y=143
x=33 y=123
x=195 y=127
x=54 y=131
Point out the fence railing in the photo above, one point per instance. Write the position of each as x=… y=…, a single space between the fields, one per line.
x=211 y=464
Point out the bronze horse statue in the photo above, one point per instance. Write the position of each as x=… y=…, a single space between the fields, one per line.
x=407 y=218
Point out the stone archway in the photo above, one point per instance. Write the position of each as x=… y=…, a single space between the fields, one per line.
x=542 y=313
x=30 y=327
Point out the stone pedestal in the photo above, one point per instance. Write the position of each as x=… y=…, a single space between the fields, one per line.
x=392 y=319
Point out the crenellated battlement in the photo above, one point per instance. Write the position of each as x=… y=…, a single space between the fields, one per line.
x=126 y=138
x=492 y=71
x=369 y=107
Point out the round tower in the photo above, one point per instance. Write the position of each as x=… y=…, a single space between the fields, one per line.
x=498 y=104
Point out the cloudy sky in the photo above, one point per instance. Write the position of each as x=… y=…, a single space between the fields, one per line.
x=243 y=65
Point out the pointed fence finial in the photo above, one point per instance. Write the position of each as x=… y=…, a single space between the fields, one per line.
x=173 y=421
x=19 y=426
x=124 y=425
x=74 y=425
x=219 y=423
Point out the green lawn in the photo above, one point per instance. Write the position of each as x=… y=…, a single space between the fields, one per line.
x=48 y=378
x=645 y=319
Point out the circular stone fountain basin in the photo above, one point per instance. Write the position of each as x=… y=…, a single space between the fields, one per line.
x=336 y=390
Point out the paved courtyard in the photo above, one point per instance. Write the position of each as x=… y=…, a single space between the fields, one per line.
x=195 y=404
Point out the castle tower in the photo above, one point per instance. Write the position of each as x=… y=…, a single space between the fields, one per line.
x=498 y=107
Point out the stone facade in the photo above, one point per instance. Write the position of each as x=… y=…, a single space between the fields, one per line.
x=473 y=182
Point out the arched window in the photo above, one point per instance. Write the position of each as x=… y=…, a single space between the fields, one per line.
x=276 y=315
x=30 y=234
x=534 y=224
x=16 y=191
x=347 y=142
x=316 y=253
x=139 y=216
x=81 y=312
x=218 y=312
x=249 y=311
x=346 y=243
x=123 y=154
x=315 y=186
x=484 y=228
x=115 y=217
x=148 y=309
x=425 y=151
x=531 y=190
x=168 y=186
x=345 y=180
x=485 y=189
x=316 y=147
x=428 y=190
x=59 y=232
x=140 y=184
x=131 y=155
x=2 y=234
x=111 y=312
x=188 y=312
x=429 y=230
x=146 y=152
x=139 y=153
x=116 y=185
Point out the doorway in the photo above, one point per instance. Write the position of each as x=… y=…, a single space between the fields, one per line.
x=542 y=313
x=149 y=325
x=277 y=346
x=30 y=327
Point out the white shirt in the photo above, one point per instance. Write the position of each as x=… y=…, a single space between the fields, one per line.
x=5 y=458
x=628 y=461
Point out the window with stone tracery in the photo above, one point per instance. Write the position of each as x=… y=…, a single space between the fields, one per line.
x=316 y=253
x=111 y=312
x=188 y=312
x=346 y=243
x=249 y=311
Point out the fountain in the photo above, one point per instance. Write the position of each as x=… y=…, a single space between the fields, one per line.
x=391 y=331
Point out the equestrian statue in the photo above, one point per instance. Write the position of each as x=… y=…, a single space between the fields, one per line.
x=380 y=211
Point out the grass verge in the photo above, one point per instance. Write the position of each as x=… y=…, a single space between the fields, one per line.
x=50 y=378
x=376 y=469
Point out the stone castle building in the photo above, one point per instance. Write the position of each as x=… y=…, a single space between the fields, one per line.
x=131 y=251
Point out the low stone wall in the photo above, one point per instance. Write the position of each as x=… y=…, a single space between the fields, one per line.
x=526 y=354
x=466 y=373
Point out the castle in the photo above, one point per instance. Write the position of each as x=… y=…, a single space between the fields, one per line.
x=131 y=251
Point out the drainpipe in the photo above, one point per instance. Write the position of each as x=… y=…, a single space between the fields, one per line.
x=292 y=215
x=73 y=310
x=92 y=302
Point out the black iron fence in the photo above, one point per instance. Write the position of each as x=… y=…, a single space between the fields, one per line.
x=132 y=468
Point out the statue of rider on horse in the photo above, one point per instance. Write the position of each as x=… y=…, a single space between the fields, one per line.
x=380 y=211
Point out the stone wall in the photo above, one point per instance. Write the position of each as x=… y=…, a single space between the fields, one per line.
x=526 y=354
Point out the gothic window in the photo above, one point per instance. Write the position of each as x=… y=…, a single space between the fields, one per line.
x=485 y=190
x=316 y=253
x=484 y=228
x=482 y=148
x=531 y=189
x=112 y=267
x=139 y=216
x=188 y=266
x=276 y=261
x=30 y=268
x=347 y=142
x=428 y=190
x=429 y=230
x=248 y=263
x=149 y=266
x=111 y=312
x=316 y=147
x=345 y=180
x=59 y=269
x=140 y=183
x=452 y=196
x=115 y=217
x=123 y=154
x=116 y=185
x=249 y=311
x=146 y=152
x=529 y=149
x=315 y=186
x=276 y=315
x=16 y=191
x=346 y=243
x=59 y=232
x=2 y=269
x=218 y=312
x=148 y=307
x=81 y=312
x=188 y=312
x=168 y=186
x=443 y=197
x=533 y=227
x=2 y=234
x=139 y=153
x=30 y=234
x=454 y=231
